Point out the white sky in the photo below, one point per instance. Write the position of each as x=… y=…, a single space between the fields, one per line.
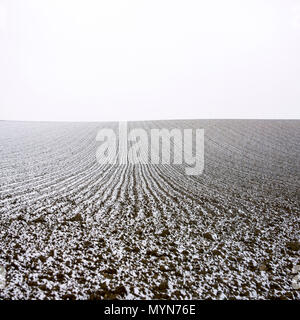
x=140 y=59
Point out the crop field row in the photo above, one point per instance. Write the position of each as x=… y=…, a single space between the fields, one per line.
x=71 y=228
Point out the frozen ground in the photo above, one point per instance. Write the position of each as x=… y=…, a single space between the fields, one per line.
x=72 y=229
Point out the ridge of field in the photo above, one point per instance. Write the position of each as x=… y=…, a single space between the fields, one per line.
x=74 y=229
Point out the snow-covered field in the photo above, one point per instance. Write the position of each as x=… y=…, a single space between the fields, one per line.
x=73 y=229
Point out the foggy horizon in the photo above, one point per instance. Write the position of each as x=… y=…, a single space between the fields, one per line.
x=116 y=61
